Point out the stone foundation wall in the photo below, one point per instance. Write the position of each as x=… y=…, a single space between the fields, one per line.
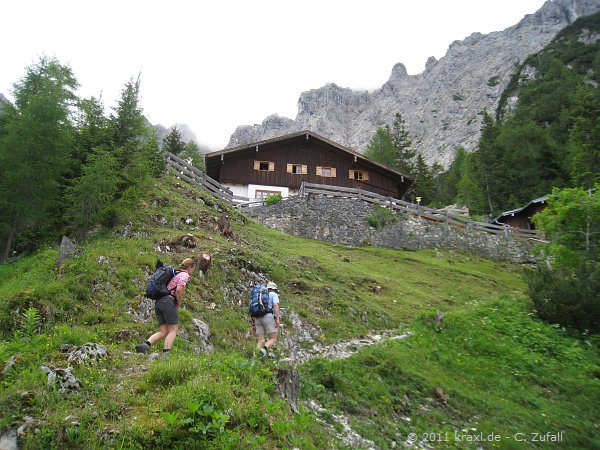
x=345 y=221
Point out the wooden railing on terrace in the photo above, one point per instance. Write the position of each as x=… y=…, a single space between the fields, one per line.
x=189 y=173
x=308 y=189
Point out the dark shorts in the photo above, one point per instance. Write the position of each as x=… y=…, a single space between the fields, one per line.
x=166 y=311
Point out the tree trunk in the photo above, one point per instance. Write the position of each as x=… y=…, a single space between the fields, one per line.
x=9 y=240
x=288 y=381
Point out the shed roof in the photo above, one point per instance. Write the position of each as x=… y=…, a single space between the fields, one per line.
x=512 y=212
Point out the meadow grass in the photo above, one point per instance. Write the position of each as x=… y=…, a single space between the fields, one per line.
x=502 y=369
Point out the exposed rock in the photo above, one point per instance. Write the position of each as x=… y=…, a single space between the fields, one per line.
x=347 y=436
x=87 y=353
x=202 y=332
x=8 y=439
x=441 y=395
x=302 y=341
x=145 y=309
x=439 y=317
x=441 y=106
x=154 y=356
x=10 y=364
x=61 y=378
x=68 y=250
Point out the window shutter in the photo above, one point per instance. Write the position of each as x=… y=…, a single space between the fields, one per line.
x=333 y=175
x=271 y=166
x=304 y=169
x=351 y=174
x=256 y=165
x=365 y=176
x=319 y=171
x=289 y=168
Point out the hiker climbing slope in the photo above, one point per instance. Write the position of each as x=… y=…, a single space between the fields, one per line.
x=268 y=323
x=167 y=308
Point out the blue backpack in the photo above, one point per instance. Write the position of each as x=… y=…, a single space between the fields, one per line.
x=157 y=284
x=259 y=301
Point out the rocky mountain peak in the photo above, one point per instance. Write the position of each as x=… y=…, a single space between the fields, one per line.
x=441 y=106
x=398 y=71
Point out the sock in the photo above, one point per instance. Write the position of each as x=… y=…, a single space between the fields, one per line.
x=263 y=350
x=166 y=350
x=148 y=344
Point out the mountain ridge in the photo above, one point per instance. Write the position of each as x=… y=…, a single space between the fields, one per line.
x=442 y=105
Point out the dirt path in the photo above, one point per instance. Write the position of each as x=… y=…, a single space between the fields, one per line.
x=303 y=346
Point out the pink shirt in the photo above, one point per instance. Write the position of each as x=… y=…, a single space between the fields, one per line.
x=181 y=279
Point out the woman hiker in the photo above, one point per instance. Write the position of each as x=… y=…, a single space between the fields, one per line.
x=166 y=308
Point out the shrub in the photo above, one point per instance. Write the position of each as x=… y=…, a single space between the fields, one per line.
x=571 y=299
x=381 y=217
x=272 y=199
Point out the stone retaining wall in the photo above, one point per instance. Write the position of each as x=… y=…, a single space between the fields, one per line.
x=345 y=221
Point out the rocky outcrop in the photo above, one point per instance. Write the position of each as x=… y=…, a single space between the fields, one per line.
x=442 y=105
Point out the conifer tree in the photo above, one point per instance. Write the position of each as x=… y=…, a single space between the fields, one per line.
x=487 y=170
x=405 y=154
x=584 y=144
x=92 y=130
x=381 y=148
x=173 y=143
x=191 y=150
x=92 y=197
x=34 y=150
x=128 y=125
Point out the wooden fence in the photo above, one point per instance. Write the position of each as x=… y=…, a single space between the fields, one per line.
x=189 y=173
x=394 y=204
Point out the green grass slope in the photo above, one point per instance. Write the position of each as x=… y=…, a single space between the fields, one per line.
x=490 y=369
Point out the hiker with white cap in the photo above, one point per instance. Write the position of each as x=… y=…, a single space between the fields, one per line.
x=268 y=323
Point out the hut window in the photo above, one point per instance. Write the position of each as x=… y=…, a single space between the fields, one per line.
x=361 y=175
x=262 y=194
x=326 y=172
x=300 y=169
x=264 y=166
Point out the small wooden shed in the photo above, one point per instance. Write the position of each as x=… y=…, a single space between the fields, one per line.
x=521 y=217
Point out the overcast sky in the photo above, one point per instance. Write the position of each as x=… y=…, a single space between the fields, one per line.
x=222 y=63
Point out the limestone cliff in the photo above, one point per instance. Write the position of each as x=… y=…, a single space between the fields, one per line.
x=442 y=105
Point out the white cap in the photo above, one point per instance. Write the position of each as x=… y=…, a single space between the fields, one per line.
x=271 y=285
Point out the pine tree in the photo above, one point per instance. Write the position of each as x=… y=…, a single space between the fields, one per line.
x=92 y=130
x=128 y=125
x=487 y=170
x=91 y=199
x=405 y=154
x=381 y=148
x=584 y=144
x=34 y=150
x=173 y=143
x=423 y=185
x=192 y=151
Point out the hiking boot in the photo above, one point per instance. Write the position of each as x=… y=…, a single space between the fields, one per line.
x=142 y=348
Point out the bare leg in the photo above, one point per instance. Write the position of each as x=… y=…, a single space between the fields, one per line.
x=158 y=335
x=272 y=340
x=171 y=335
x=261 y=340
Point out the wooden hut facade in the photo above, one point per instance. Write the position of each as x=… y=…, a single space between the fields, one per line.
x=280 y=165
